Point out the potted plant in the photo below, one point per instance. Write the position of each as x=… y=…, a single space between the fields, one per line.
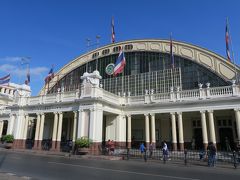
x=82 y=145
x=8 y=141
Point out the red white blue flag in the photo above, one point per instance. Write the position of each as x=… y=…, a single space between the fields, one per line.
x=113 y=31
x=227 y=43
x=171 y=52
x=120 y=63
x=27 y=81
x=5 y=79
x=50 y=76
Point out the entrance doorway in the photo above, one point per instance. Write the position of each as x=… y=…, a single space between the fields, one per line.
x=226 y=139
x=197 y=134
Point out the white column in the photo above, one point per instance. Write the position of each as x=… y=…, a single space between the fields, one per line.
x=237 y=116
x=180 y=131
x=212 y=127
x=174 y=132
x=129 y=131
x=19 y=126
x=1 y=128
x=26 y=119
x=37 y=131
x=55 y=125
x=59 y=131
x=96 y=120
x=74 y=125
x=41 y=127
x=2 y=90
x=121 y=128
x=204 y=129
x=11 y=124
x=153 y=129
x=147 y=139
x=82 y=124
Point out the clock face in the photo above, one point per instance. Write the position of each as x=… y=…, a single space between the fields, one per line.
x=110 y=69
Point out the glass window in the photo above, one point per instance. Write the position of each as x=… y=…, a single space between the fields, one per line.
x=139 y=62
x=116 y=49
x=105 y=51
x=229 y=122
x=128 y=47
x=95 y=55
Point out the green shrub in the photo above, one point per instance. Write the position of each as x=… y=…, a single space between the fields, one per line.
x=83 y=142
x=9 y=138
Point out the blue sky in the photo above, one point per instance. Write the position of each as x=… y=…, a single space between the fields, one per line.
x=55 y=31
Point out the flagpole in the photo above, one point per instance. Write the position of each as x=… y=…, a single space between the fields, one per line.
x=172 y=60
x=231 y=46
x=28 y=74
x=97 y=39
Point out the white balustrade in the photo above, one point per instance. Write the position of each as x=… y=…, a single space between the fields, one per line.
x=107 y=96
x=221 y=91
x=68 y=96
x=161 y=97
x=190 y=94
x=214 y=92
x=136 y=99
x=34 y=100
x=50 y=98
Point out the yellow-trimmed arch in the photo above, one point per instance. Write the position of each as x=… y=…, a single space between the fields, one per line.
x=212 y=61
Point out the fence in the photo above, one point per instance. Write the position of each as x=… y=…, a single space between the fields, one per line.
x=185 y=157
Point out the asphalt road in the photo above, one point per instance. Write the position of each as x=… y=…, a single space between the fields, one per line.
x=46 y=167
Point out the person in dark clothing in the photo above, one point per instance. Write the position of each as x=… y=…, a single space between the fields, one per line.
x=211 y=154
x=151 y=150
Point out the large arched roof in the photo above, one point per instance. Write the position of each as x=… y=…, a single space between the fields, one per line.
x=212 y=61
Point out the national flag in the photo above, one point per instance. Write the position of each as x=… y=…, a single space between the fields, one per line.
x=50 y=76
x=120 y=63
x=27 y=81
x=227 y=43
x=171 y=52
x=113 y=31
x=5 y=79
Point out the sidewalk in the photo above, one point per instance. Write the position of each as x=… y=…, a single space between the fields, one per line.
x=60 y=154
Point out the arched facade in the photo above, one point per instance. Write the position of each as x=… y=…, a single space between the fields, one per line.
x=196 y=101
x=198 y=65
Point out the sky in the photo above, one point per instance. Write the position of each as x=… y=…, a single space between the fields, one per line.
x=54 y=32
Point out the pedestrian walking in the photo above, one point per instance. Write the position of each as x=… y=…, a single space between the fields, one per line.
x=150 y=150
x=165 y=151
x=142 y=149
x=211 y=154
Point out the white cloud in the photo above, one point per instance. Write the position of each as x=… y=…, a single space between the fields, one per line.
x=11 y=59
x=17 y=71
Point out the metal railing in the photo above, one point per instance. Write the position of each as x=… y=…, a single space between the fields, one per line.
x=231 y=159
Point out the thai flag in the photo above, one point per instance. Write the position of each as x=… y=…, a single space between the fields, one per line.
x=50 y=76
x=27 y=81
x=227 y=43
x=120 y=63
x=171 y=52
x=113 y=31
x=5 y=79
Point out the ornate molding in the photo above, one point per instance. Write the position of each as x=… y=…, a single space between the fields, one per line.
x=210 y=111
x=203 y=111
x=146 y=114
x=152 y=114
x=236 y=109
x=179 y=113
x=129 y=115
